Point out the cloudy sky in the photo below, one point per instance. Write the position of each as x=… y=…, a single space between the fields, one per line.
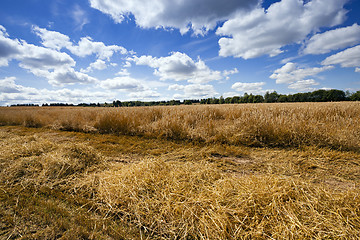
x=103 y=50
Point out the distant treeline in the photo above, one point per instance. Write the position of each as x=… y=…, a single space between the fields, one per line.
x=273 y=97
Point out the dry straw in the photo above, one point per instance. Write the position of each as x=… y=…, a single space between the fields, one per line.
x=334 y=125
x=53 y=186
x=197 y=201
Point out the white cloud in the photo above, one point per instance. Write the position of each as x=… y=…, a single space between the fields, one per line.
x=12 y=93
x=63 y=76
x=9 y=48
x=98 y=64
x=332 y=40
x=52 y=39
x=49 y=63
x=85 y=47
x=3 y=30
x=195 y=91
x=144 y=95
x=123 y=72
x=230 y=72
x=176 y=87
x=56 y=66
x=34 y=57
x=7 y=85
x=198 y=15
x=127 y=64
x=80 y=18
x=304 y=85
x=290 y=73
x=357 y=69
x=135 y=89
x=347 y=58
x=264 y=32
x=180 y=67
x=123 y=83
x=226 y=73
x=255 y=87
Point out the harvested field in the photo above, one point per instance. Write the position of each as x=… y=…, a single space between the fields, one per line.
x=254 y=171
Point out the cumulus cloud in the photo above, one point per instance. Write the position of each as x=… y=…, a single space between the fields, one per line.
x=135 y=89
x=123 y=83
x=296 y=77
x=34 y=57
x=198 y=15
x=304 y=85
x=127 y=64
x=230 y=72
x=85 y=47
x=227 y=73
x=290 y=73
x=194 y=91
x=180 y=67
x=12 y=93
x=123 y=72
x=63 y=76
x=98 y=64
x=264 y=32
x=176 y=87
x=255 y=87
x=52 y=39
x=347 y=58
x=49 y=63
x=144 y=95
x=333 y=40
x=9 y=48
x=8 y=85
x=55 y=41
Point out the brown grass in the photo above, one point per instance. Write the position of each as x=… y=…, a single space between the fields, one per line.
x=136 y=184
x=334 y=125
x=196 y=200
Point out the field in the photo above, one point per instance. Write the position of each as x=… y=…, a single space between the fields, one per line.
x=249 y=171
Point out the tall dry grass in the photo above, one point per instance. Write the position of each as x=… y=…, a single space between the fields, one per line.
x=335 y=125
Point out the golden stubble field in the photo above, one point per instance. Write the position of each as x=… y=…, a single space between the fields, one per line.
x=251 y=171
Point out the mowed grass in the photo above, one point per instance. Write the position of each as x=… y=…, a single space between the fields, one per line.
x=147 y=180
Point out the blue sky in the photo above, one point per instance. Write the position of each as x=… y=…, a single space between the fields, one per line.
x=105 y=50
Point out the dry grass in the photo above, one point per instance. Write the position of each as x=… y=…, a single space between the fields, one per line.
x=334 y=125
x=197 y=201
x=136 y=184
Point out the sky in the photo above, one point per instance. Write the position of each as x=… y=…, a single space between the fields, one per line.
x=89 y=51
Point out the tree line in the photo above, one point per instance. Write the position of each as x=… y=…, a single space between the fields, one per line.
x=273 y=97
x=321 y=95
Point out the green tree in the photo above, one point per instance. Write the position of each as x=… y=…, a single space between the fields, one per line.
x=283 y=98
x=228 y=100
x=355 y=96
x=271 y=97
x=221 y=100
x=235 y=99
x=258 y=99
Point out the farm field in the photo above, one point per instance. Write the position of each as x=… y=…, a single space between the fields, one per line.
x=251 y=171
